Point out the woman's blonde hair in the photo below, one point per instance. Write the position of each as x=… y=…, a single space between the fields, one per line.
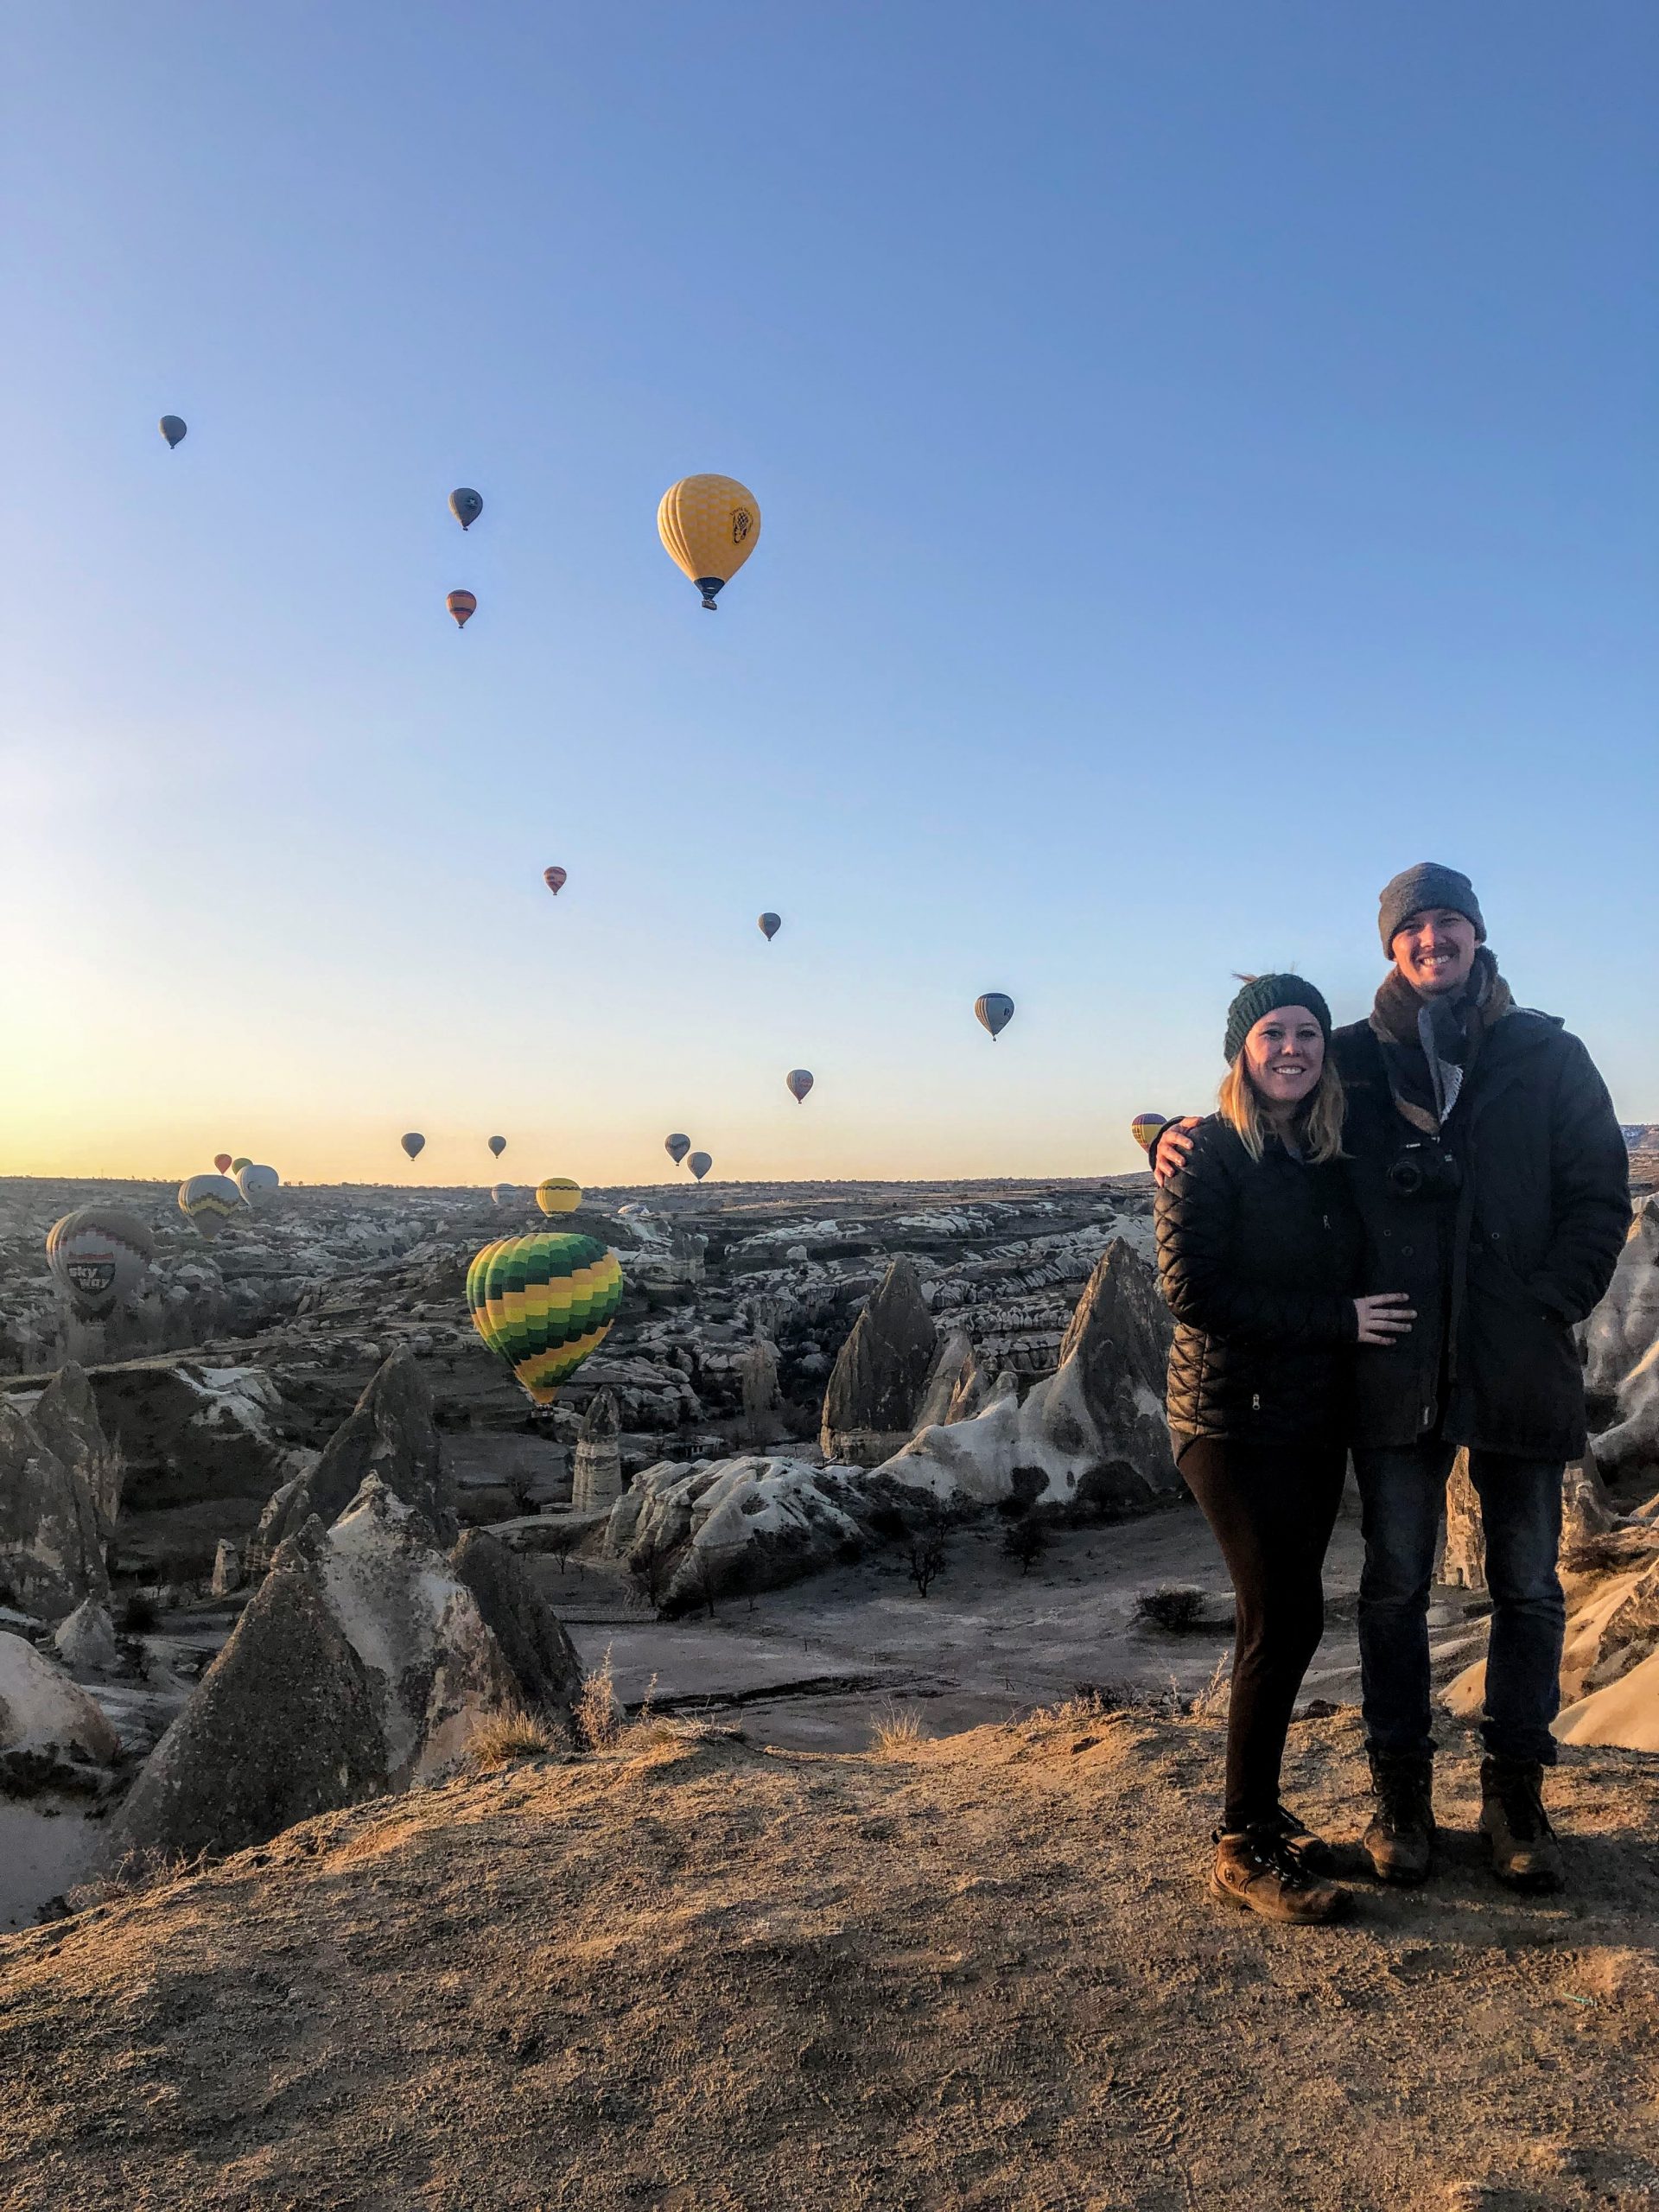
x=1241 y=1107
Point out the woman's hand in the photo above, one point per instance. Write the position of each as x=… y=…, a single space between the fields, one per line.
x=1386 y=1317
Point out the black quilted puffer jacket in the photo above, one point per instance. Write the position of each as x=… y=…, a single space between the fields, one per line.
x=1260 y=1261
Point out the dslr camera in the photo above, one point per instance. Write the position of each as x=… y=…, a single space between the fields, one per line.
x=1424 y=1171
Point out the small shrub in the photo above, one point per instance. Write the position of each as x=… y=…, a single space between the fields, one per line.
x=506 y=1736
x=896 y=1730
x=1175 y=1608
x=521 y=1488
x=139 y=1615
x=1026 y=1540
x=599 y=1714
x=560 y=1543
x=927 y=1557
x=887 y=1522
x=649 y=1574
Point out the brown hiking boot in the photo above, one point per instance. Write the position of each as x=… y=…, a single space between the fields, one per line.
x=1399 y=1841
x=1312 y=1853
x=1259 y=1872
x=1525 y=1854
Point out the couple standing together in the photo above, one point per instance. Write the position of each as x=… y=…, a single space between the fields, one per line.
x=1382 y=1241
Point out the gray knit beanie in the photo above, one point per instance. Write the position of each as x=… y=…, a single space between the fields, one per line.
x=1415 y=890
x=1265 y=994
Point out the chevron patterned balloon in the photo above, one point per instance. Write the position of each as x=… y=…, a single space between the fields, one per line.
x=542 y=1303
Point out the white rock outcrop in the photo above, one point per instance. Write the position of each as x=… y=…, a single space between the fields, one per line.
x=51 y=1733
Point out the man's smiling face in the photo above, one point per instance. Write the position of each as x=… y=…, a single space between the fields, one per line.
x=1435 y=950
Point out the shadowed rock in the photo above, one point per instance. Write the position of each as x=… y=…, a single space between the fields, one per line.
x=1626 y=1325
x=869 y=1408
x=51 y=1555
x=531 y=1634
x=596 y=1479
x=65 y=1417
x=390 y=1435
x=189 y=1432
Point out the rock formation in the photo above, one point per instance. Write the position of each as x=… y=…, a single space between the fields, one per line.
x=390 y=1435
x=869 y=1408
x=190 y=1432
x=596 y=1481
x=51 y=1555
x=364 y=1662
x=749 y=1524
x=1462 y=1563
x=1626 y=1325
x=84 y=1641
x=65 y=1417
x=52 y=1735
x=227 y=1569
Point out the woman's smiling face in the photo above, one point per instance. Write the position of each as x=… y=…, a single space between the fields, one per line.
x=1284 y=1056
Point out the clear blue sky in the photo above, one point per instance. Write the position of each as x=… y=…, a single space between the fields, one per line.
x=1206 y=455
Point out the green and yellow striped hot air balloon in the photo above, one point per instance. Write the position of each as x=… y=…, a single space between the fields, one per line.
x=542 y=1303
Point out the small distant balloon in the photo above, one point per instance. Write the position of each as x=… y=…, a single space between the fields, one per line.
x=699 y=1164
x=1145 y=1126
x=676 y=1146
x=222 y=1161
x=799 y=1082
x=257 y=1184
x=172 y=428
x=708 y=526
x=506 y=1193
x=412 y=1142
x=237 y=1166
x=466 y=505
x=558 y=1194
x=497 y=1146
x=769 y=926
x=555 y=879
x=995 y=1011
x=207 y=1202
x=98 y=1257
x=463 y=605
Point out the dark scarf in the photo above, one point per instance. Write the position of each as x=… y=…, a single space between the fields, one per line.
x=1429 y=1046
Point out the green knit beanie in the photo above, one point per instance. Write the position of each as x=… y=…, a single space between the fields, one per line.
x=1265 y=994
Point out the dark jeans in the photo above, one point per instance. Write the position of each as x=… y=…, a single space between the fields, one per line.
x=1272 y=1510
x=1403 y=1494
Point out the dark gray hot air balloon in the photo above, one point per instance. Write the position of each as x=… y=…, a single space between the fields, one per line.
x=995 y=1011
x=769 y=926
x=98 y=1256
x=676 y=1146
x=172 y=428
x=497 y=1146
x=412 y=1142
x=466 y=505
x=699 y=1164
x=799 y=1082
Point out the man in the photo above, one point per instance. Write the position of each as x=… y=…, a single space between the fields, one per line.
x=1493 y=1183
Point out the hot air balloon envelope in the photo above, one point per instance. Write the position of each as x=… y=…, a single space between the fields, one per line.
x=995 y=1011
x=676 y=1146
x=257 y=1183
x=172 y=428
x=222 y=1161
x=466 y=505
x=769 y=926
x=799 y=1081
x=709 y=525
x=699 y=1164
x=207 y=1202
x=412 y=1142
x=237 y=1166
x=558 y=1194
x=98 y=1256
x=555 y=879
x=504 y=1193
x=542 y=1303
x=1145 y=1126
x=463 y=605
x=497 y=1146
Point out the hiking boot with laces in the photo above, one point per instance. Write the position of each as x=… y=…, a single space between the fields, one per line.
x=1312 y=1851
x=1525 y=1854
x=1259 y=1871
x=1399 y=1841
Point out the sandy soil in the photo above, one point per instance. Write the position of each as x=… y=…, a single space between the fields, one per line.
x=979 y=1973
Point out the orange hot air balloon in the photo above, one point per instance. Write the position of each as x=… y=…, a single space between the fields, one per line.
x=555 y=879
x=708 y=526
x=463 y=605
x=222 y=1161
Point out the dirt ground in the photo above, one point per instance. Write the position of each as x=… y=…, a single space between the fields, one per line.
x=979 y=1972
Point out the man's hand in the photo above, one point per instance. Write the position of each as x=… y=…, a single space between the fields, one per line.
x=1173 y=1144
x=1385 y=1318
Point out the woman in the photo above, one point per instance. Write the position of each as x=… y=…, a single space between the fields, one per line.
x=1259 y=1249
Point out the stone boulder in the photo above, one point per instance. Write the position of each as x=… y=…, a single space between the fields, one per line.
x=1631 y=1445
x=362 y=1663
x=65 y=1417
x=86 y=1640
x=192 y=1434
x=596 y=1479
x=729 y=1525
x=531 y=1636
x=879 y=1379
x=51 y=1551
x=1626 y=1325
x=52 y=1734
x=390 y=1435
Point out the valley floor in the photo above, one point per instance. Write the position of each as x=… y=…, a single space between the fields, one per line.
x=979 y=1972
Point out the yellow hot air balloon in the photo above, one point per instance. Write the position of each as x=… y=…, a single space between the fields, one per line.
x=558 y=1194
x=709 y=524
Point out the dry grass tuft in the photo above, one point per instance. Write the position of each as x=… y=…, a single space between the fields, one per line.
x=895 y=1731
x=516 y=1734
x=1213 y=1699
x=598 y=1715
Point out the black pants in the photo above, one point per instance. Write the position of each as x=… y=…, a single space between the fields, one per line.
x=1272 y=1508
